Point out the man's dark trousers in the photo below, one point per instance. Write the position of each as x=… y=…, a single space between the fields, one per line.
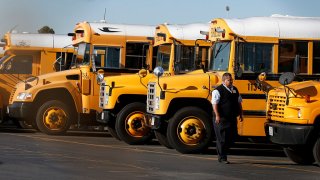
x=226 y=132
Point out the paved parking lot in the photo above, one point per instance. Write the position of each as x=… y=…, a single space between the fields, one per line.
x=27 y=154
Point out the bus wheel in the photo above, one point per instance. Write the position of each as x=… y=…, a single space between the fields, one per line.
x=161 y=135
x=131 y=124
x=112 y=129
x=54 y=118
x=299 y=155
x=190 y=130
x=316 y=151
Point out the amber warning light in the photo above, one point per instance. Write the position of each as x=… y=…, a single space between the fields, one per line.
x=206 y=33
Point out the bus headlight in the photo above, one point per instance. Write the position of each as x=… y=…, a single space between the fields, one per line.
x=157 y=103
x=100 y=77
x=106 y=99
x=24 y=96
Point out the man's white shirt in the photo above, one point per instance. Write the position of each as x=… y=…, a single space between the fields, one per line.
x=216 y=95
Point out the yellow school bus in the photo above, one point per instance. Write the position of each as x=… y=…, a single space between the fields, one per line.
x=27 y=55
x=181 y=49
x=54 y=101
x=244 y=48
x=293 y=117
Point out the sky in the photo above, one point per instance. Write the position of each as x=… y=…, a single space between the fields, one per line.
x=62 y=15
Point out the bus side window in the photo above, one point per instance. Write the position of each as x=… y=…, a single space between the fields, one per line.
x=20 y=64
x=288 y=50
x=136 y=55
x=316 y=57
x=64 y=60
x=187 y=61
x=255 y=57
x=154 y=57
x=107 y=57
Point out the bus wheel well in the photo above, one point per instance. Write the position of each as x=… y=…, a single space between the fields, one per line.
x=317 y=125
x=59 y=94
x=179 y=103
x=125 y=99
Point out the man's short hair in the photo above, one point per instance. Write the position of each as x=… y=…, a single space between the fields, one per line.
x=225 y=76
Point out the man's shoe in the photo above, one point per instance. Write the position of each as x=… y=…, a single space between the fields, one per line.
x=224 y=161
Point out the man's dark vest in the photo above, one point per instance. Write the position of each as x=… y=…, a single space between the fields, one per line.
x=228 y=105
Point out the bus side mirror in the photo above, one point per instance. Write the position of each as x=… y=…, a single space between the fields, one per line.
x=158 y=71
x=100 y=76
x=143 y=73
x=262 y=84
x=262 y=77
x=286 y=78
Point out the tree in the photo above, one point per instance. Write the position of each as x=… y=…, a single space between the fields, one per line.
x=46 y=29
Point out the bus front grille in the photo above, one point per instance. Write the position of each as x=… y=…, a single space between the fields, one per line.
x=102 y=94
x=151 y=97
x=276 y=106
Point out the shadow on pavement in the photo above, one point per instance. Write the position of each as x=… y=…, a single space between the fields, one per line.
x=75 y=132
x=13 y=129
x=250 y=149
x=88 y=133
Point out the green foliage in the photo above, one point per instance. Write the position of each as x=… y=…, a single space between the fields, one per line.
x=46 y=29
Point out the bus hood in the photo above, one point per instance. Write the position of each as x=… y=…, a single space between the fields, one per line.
x=191 y=81
x=72 y=74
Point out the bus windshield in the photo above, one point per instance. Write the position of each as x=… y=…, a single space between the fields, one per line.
x=2 y=60
x=83 y=54
x=163 y=56
x=220 y=56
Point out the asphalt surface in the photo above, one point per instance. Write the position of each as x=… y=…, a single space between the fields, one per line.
x=27 y=154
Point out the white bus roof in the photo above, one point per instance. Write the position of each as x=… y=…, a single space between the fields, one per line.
x=188 y=31
x=276 y=26
x=40 y=40
x=123 y=29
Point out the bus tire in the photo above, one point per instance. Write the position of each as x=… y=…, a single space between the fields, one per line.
x=190 y=130
x=161 y=135
x=54 y=117
x=112 y=130
x=131 y=124
x=316 y=151
x=299 y=155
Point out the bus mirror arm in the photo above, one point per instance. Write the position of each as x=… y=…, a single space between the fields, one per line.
x=162 y=93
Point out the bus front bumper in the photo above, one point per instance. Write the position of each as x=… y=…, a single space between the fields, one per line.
x=105 y=117
x=288 y=134
x=19 y=109
x=154 y=121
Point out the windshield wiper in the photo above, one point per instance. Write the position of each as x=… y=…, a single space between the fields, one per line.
x=218 y=51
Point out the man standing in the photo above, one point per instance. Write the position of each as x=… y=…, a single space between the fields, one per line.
x=226 y=102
